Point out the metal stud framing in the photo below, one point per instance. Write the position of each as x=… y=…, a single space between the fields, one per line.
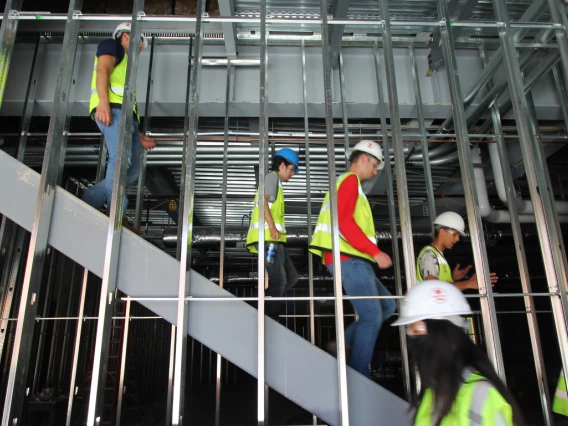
x=475 y=226
x=186 y=221
x=537 y=173
x=108 y=287
x=51 y=171
x=337 y=281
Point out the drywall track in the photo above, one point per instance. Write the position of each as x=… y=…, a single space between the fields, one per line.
x=295 y=368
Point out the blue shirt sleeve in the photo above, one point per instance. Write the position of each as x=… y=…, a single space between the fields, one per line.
x=111 y=47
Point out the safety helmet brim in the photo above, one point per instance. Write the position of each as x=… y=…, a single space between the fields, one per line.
x=416 y=318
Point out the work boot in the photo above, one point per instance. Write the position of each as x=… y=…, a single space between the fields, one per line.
x=128 y=226
x=331 y=348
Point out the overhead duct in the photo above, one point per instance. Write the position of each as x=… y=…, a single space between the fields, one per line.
x=487 y=211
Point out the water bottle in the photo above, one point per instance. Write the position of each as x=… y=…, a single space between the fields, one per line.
x=271 y=253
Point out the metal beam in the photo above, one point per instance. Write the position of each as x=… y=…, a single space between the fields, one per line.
x=116 y=209
x=227 y=8
x=339 y=10
x=473 y=212
x=460 y=10
x=51 y=170
x=343 y=401
x=187 y=202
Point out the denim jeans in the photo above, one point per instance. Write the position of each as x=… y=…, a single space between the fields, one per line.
x=359 y=279
x=101 y=193
x=282 y=276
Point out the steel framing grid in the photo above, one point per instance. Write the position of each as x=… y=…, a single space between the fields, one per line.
x=553 y=251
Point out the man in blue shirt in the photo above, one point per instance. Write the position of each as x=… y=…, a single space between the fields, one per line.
x=107 y=90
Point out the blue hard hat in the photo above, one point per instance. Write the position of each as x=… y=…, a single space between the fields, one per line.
x=291 y=156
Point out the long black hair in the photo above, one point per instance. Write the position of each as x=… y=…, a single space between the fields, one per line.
x=441 y=357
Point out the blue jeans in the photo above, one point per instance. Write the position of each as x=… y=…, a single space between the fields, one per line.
x=359 y=279
x=101 y=193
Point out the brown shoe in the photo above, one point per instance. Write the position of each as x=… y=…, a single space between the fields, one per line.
x=331 y=348
x=128 y=226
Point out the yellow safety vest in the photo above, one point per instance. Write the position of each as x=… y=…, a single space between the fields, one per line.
x=560 y=404
x=477 y=403
x=116 y=86
x=321 y=240
x=277 y=213
x=445 y=273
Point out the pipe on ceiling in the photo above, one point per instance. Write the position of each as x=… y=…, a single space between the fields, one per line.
x=523 y=206
x=487 y=211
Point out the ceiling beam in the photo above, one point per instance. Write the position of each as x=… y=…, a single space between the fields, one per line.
x=339 y=10
x=227 y=8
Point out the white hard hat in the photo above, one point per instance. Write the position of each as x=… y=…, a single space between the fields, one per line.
x=451 y=220
x=433 y=299
x=126 y=27
x=369 y=147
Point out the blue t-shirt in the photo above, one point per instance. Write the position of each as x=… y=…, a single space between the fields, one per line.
x=111 y=47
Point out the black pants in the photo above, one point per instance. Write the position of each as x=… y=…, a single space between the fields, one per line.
x=282 y=276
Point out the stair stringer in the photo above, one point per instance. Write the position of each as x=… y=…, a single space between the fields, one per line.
x=294 y=367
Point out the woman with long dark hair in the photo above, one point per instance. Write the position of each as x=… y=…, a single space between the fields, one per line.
x=459 y=386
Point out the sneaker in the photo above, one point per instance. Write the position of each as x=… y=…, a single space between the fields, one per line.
x=128 y=226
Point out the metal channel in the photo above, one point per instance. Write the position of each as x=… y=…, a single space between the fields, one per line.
x=551 y=243
x=338 y=287
x=475 y=225
x=78 y=335
x=521 y=256
x=186 y=220
x=261 y=400
x=8 y=32
x=171 y=376
x=53 y=162
x=9 y=229
x=145 y=130
x=392 y=217
x=344 y=115
x=223 y=226
x=312 y=331
x=116 y=211
x=558 y=14
x=423 y=139
x=398 y=149
x=121 y=387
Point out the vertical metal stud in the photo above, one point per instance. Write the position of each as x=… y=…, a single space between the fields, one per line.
x=8 y=32
x=171 y=376
x=53 y=162
x=125 y=332
x=223 y=224
x=144 y=153
x=423 y=139
x=521 y=257
x=344 y=115
x=475 y=226
x=263 y=158
x=308 y=194
x=78 y=336
x=338 y=287
x=108 y=286
x=186 y=221
x=398 y=150
x=392 y=216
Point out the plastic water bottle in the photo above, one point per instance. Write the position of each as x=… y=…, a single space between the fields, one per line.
x=271 y=253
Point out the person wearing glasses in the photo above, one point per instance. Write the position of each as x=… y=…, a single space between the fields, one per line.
x=431 y=263
x=107 y=92
x=282 y=274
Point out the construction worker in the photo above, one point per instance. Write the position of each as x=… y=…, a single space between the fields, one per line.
x=359 y=252
x=459 y=384
x=107 y=90
x=282 y=274
x=560 y=403
x=431 y=263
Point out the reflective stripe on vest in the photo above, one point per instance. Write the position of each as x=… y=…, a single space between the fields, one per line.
x=321 y=239
x=477 y=403
x=116 y=88
x=560 y=404
x=445 y=273
x=277 y=213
